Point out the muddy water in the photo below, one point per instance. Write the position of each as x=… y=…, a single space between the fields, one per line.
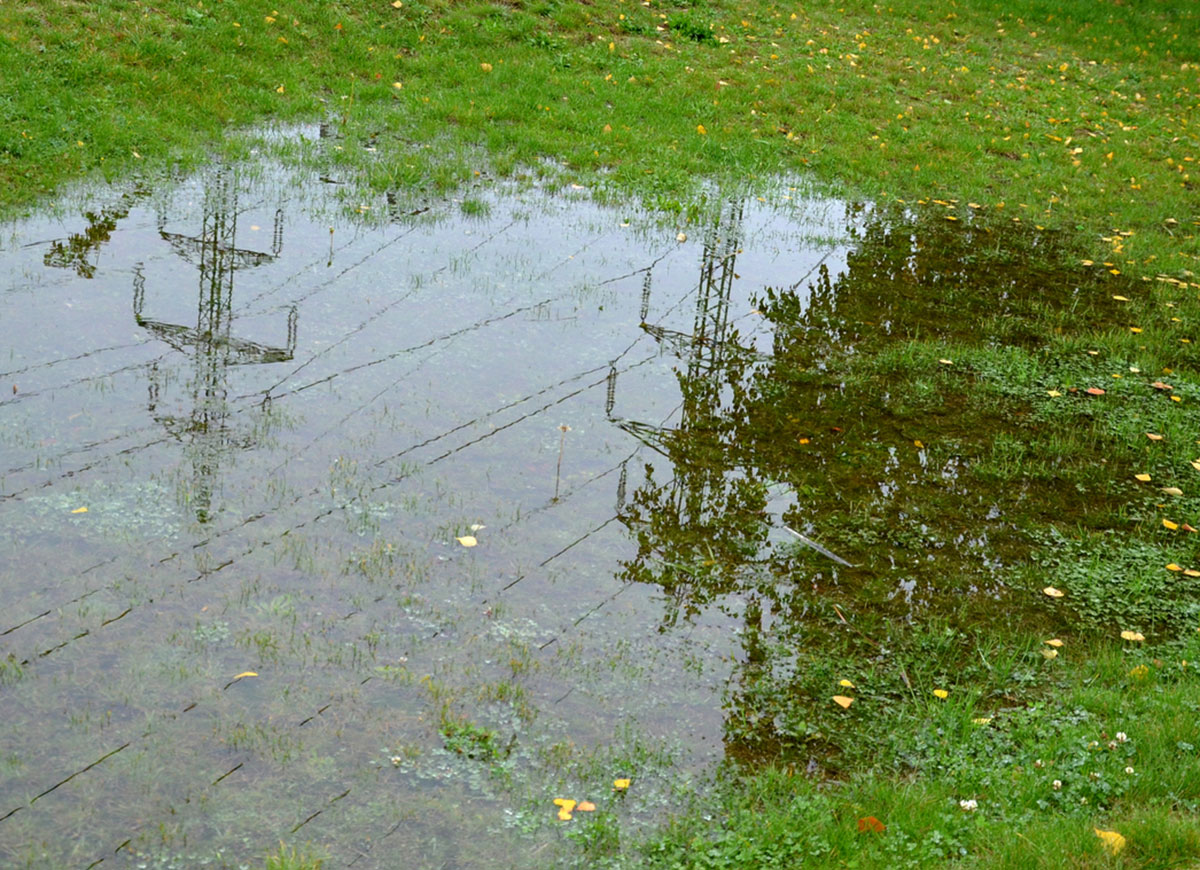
x=380 y=531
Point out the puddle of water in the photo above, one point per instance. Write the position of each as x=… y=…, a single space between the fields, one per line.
x=239 y=436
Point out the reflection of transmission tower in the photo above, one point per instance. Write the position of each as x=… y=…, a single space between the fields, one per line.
x=705 y=350
x=205 y=431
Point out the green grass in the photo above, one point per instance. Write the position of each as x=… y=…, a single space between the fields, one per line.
x=1081 y=116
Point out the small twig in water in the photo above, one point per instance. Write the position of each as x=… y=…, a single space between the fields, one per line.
x=562 y=441
x=809 y=542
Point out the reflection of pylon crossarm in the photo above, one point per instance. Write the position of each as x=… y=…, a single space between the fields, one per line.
x=621 y=484
x=610 y=392
x=645 y=297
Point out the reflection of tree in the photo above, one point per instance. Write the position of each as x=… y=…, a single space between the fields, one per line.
x=206 y=430
x=817 y=417
x=80 y=251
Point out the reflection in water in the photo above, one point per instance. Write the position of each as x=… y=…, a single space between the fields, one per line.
x=205 y=429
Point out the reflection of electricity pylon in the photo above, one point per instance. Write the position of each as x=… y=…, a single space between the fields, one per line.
x=205 y=431
x=706 y=349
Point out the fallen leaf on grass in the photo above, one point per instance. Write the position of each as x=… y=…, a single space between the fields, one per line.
x=1172 y=490
x=1121 y=298
x=1053 y=394
x=1154 y=437
x=1050 y=653
x=621 y=784
x=846 y=684
x=941 y=693
x=1113 y=842
x=946 y=362
x=1191 y=572
x=982 y=720
x=1052 y=592
x=1054 y=642
x=1132 y=635
x=1173 y=567
x=1144 y=478
x=842 y=701
x=1094 y=391
x=871 y=825
x=486 y=67
x=1167 y=524
x=1159 y=385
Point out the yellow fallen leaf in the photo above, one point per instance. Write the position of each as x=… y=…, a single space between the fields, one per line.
x=700 y=129
x=1135 y=329
x=1052 y=592
x=1176 y=399
x=620 y=784
x=1174 y=567
x=1153 y=436
x=564 y=815
x=1054 y=642
x=941 y=693
x=846 y=684
x=279 y=90
x=397 y=85
x=1196 y=464
x=1050 y=653
x=1172 y=490
x=80 y=510
x=467 y=540
x=1053 y=394
x=397 y=4
x=946 y=362
x=842 y=701
x=486 y=67
x=585 y=807
x=1144 y=478
x=982 y=720
x=566 y=803
x=1191 y=572
x=245 y=674
x=1132 y=635
x=1167 y=524
x=1121 y=298
x=1113 y=842
x=917 y=444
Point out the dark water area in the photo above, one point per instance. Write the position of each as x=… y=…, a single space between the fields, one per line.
x=380 y=531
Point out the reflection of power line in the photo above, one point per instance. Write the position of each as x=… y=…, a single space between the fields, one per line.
x=205 y=428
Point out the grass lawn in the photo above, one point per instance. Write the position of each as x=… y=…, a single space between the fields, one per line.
x=969 y=740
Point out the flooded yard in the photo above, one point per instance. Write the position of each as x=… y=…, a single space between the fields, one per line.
x=382 y=530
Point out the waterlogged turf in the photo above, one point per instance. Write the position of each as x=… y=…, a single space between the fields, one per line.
x=380 y=527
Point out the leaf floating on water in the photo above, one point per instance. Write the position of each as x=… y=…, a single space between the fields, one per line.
x=80 y=510
x=682 y=237
x=585 y=807
x=1132 y=635
x=1053 y=593
x=1144 y=478
x=1054 y=642
x=842 y=701
x=846 y=684
x=941 y=693
x=475 y=527
x=566 y=803
x=1172 y=490
x=467 y=540
x=1113 y=842
x=246 y=674
x=871 y=825
x=621 y=784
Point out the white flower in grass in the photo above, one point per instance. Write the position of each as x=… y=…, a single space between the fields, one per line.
x=1122 y=737
x=1129 y=770
x=969 y=806
x=1056 y=785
